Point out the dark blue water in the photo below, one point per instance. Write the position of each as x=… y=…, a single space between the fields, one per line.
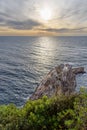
x=24 y=61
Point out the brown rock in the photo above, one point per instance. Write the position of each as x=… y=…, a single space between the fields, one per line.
x=60 y=80
x=79 y=70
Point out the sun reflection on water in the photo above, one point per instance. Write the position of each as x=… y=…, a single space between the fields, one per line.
x=46 y=50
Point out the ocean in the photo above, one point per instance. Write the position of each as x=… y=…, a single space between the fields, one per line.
x=24 y=61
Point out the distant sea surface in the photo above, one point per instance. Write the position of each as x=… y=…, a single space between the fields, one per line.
x=24 y=61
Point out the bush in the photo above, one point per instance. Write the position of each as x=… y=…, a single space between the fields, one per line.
x=57 y=113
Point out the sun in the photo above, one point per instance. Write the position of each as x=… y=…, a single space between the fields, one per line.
x=46 y=14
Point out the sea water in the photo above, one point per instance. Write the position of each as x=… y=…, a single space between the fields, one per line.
x=24 y=61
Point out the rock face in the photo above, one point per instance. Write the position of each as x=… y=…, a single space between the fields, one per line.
x=60 y=80
x=78 y=70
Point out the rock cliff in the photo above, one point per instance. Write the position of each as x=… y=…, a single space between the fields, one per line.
x=60 y=80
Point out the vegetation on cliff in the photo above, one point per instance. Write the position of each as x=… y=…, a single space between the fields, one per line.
x=57 y=113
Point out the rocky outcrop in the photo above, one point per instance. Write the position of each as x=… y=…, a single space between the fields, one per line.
x=79 y=70
x=60 y=80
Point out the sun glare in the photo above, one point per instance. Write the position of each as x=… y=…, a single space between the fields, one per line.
x=46 y=14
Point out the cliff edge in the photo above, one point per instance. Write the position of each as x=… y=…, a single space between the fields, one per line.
x=60 y=80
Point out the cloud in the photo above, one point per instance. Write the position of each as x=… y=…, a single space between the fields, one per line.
x=74 y=11
x=64 y=30
x=1 y=20
x=68 y=15
x=13 y=14
x=20 y=25
x=23 y=25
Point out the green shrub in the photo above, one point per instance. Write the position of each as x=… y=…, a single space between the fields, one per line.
x=57 y=113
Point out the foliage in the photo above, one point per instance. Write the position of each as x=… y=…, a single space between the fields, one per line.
x=57 y=113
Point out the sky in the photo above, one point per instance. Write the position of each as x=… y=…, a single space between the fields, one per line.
x=43 y=17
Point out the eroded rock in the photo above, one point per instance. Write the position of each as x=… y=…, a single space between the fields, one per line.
x=79 y=70
x=60 y=80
